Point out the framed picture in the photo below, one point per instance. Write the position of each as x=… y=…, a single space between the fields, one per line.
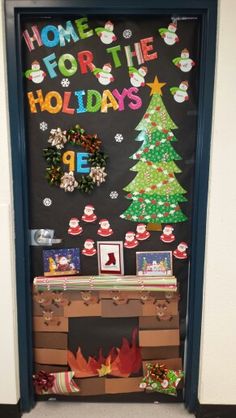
x=61 y=262
x=154 y=263
x=110 y=257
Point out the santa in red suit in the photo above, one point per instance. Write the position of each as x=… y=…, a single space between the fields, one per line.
x=180 y=251
x=104 y=230
x=89 y=249
x=89 y=215
x=130 y=240
x=142 y=233
x=167 y=235
x=74 y=227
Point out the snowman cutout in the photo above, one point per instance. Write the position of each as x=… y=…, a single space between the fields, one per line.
x=103 y=74
x=180 y=251
x=184 y=63
x=130 y=240
x=180 y=93
x=74 y=227
x=89 y=215
x=169 y=35
x=167 y=235
x=141 y=232
x=137 y=77
x=35 y=74
x=89 y=249
x=106 y=34
x=104 y=230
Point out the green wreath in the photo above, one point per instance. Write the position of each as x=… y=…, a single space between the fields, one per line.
x=53 y=156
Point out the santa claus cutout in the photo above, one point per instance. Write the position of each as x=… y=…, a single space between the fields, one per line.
x=104 y=230
x=180 y=251
x=89 y=215
x=130 y=240
x=167 y=236
x=141 y=232
x=89 y=249
x=74 y=227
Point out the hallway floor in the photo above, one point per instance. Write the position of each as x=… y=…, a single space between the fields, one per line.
x=105 y=410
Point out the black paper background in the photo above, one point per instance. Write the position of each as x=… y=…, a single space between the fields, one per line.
x=106 y=125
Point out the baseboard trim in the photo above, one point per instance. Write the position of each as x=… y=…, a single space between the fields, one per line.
x=10 y=411
x=215 y=411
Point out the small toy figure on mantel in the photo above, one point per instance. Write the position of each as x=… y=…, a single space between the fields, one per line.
x=167 y=235
x=130 y=240
x=89 y=215
x=74 y=227
x=104 y=230
x=89 y=249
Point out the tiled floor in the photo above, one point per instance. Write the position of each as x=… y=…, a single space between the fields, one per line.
x=93 y=410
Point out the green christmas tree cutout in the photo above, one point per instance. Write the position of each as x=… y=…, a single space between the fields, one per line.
x=155 y=192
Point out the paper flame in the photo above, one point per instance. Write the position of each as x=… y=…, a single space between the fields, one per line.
x=120 y=362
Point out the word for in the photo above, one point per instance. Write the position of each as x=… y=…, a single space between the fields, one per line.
x=68 y=64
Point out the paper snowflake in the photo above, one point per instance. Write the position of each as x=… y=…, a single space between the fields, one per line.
x=127 y=33
x=43 y=126
x=114 y=194
x=65 y=82
x=119 y=137
x=47 y=201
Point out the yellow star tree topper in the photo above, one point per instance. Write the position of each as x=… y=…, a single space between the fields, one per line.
x=156 y=86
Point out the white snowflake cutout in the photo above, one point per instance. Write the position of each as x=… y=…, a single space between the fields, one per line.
x=114 y=194
x=47 y=201
x=65 y=82
x=127 y=33
x=119 y=137
x=43 y=126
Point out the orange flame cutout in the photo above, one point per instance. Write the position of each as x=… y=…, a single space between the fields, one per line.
x=120 y=362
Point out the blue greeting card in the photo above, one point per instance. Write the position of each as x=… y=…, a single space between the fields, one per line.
x=61 y=262
x=154 y=263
